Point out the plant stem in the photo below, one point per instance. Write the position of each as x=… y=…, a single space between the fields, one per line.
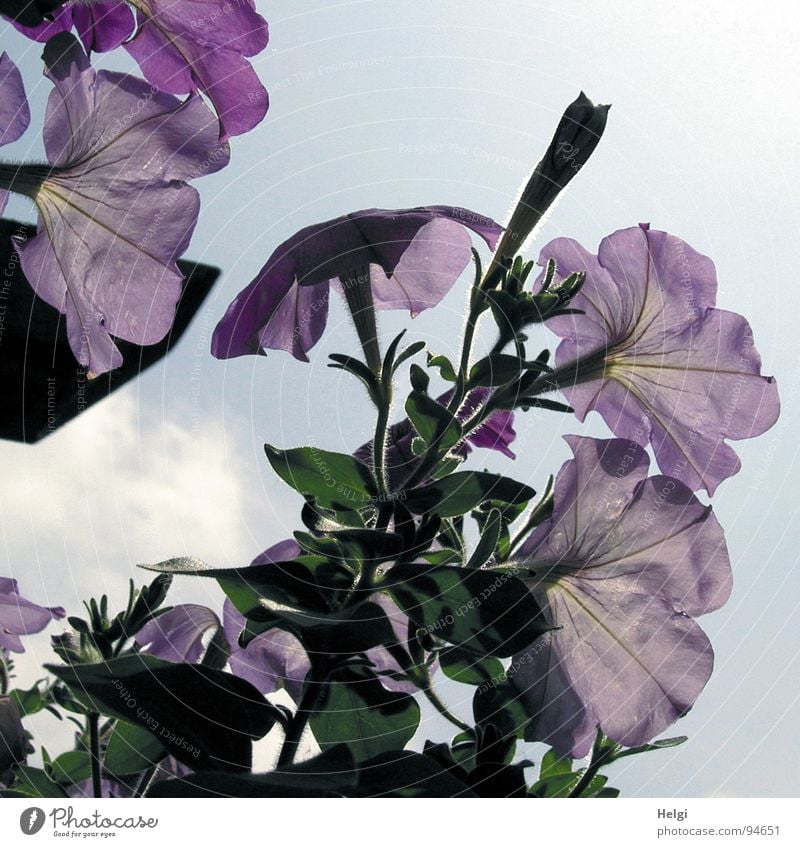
x=146 y=781
x=94 y=753
x=440 y=707
x=312 y=693
x=379 y=442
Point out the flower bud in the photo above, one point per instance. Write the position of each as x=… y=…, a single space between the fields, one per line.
x=575 y=139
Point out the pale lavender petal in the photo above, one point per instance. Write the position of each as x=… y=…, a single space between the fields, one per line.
x=275 y=659
x=428 y=269
x=115 y=214
x=283 y=551
x=178 y=635
x=14 y=112
x=558 y=716
x=620 y=567
x=634 y=663
x=655 y=359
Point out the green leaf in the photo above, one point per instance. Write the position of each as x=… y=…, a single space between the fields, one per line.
x=488 y=613
x=204 y=717
x=419 y=379
x=553 y=764
x=461 y=492
x=358 y=711
x=299 y=591
x=432 y=421
x=332 y=773
x=131 y=749
x=663 y=744
x=490 y=537
x=410 y=351
x=469 y=669
x=334 y=480
x=71 y=767
x=34 y=782
x=31 y=701
x=500 y=368
x=446 y=369
x=401 y=773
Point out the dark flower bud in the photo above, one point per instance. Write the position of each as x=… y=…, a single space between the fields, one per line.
x=575 y=139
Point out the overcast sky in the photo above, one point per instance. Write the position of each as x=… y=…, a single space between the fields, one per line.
x=377 y=103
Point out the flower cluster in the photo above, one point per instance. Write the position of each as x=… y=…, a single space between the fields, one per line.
x=115 y=207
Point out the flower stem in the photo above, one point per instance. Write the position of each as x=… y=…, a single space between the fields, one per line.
x=357 y=289
x=146 y=781
x=379 y=443
x=312 y=693
x=441 y=708
x=23 y=179
x=94 y=753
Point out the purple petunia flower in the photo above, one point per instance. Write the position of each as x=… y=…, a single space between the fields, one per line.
x=413 y=258
x=495 y=433
x=19 y=616
x=102 y=26
x=182 y=46
x=14 y=112
x=115 y=210
x=655 y=359
x=178 y=635
x=622 y=567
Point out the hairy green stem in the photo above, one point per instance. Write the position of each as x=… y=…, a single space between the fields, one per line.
x=440 y=707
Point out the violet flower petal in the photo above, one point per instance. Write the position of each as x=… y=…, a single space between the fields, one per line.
x=622 y=566
x=19 y=616
x=102 y=26
x=15 y=115
x=115 y=211
x=434 y=259
x=177 y=635
x=655 y=359
x=273 y=311
x=188 y=45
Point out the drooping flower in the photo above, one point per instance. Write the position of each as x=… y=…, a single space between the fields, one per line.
x=19 y=616
x=495 y=433
x=277 y=659
x=412 y=258
x=14 y=112
x=179 y=635
x=655 y=359
x=622 y=567
x=182 y=46
x=115 y=208
x=102 y=25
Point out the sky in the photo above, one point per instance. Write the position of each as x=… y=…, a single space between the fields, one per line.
x=376 y=103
